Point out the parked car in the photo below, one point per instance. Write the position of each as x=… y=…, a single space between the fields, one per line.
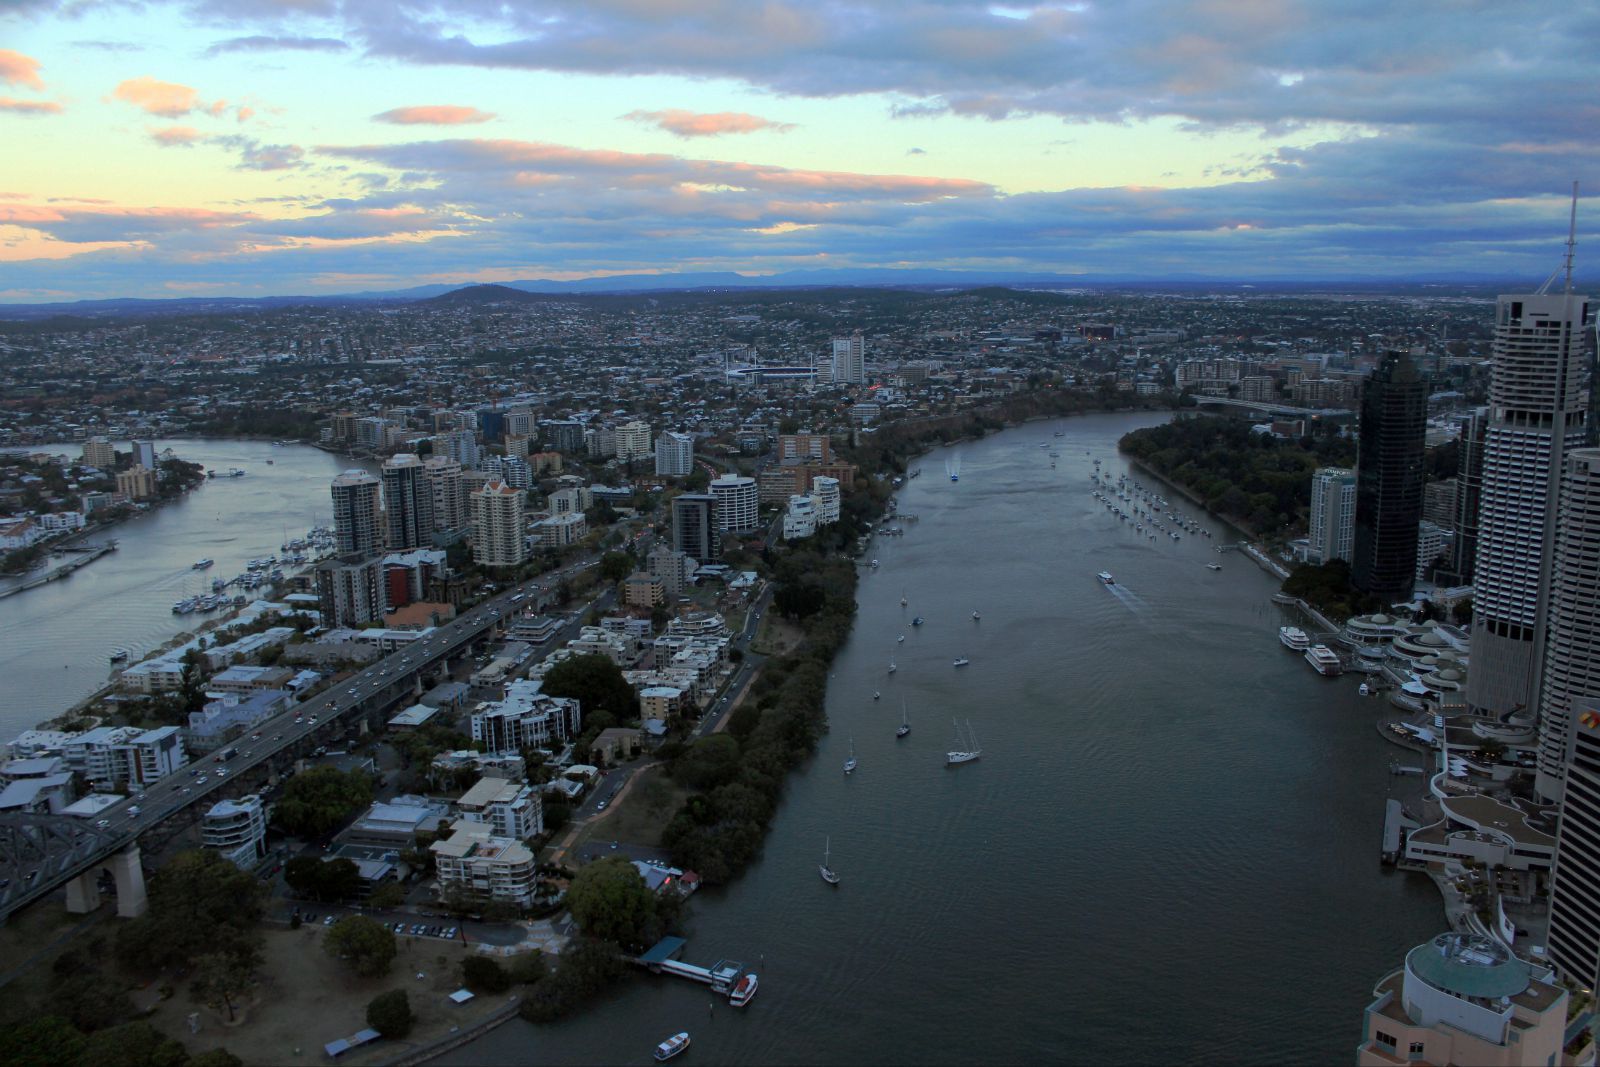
x=328 y=921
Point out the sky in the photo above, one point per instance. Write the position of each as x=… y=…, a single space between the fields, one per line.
x=275 y=147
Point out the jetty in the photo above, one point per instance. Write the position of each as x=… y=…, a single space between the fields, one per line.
x=661 y=958
x=83 y=555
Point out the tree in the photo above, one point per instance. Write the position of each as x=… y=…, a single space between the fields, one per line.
x=367 y=946
x=798 y=600
x=317 y=801
x=132 y=1045
x=83 y=994
x=390 y=1013
x=220 y=978
x=708 y=763
x=40 y=1041
x=387 y=895
x=595 y=682
x=610 y=901
x=198 y=904
x=483 y=975
x=615 y=566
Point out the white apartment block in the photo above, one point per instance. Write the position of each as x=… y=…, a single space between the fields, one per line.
x=115 y=755
x=850 y=360
x=825 y=492
x=801 y=518
x=574 y=499
x=633 y=441
x=738 y=503
x=674 y=454
x=525 y=718
x=499 y=522
x=1333 y=514
x=509 y=809
x=558 y=531
x=474 y=862
x=237 y=829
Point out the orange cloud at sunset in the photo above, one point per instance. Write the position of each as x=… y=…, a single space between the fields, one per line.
x=18 y=69
x=434 y=115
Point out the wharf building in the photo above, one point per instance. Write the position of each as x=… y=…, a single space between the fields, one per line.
x=1389 y=478
x=1537 y=414
x=355 y=514
x=1572 y=638
x=408 y=503
x=1465 y=998
x=1333 y=514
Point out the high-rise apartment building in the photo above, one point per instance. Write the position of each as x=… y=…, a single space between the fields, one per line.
x=237 y=829
x=1572 y=637
x=407 y=503
x=144 y=454
x=499 y=526
x=350 y=590
x=1537 y=409
x=1333 y=514
x=449 y=486
x=459 y=445
x=355 y=513
x=100 y=453
x=519 y=423
x=1574 y=938
x=633 y=440
x=565 y=435
x=795 y=449
x=850 y=360
x=674 y=454
x=738 y=503
x=694 y=526
x=1389 y=477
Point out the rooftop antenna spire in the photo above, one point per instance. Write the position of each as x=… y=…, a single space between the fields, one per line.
x=1572 y=236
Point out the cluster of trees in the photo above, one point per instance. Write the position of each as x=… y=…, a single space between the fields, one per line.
x=738 y=775
x=390 y=1013
x=203 y=921
x=610 y=901
x=600 y=689
x=319 y=879
x=51 y=1041
x=1327 y=588
x=365 y=945
x=318 y=801
x=1260 y=482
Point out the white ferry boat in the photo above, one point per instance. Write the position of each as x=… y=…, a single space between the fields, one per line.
x=202 y=564
x=1294 y=638
x=1105 y=576
x=743 y=991
x=672 y=1046
x=1325 y=660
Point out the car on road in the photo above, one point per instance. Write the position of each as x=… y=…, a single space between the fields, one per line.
x=399 y=928
x=350 y=692
x=450 y=932
x=221 y=771
x=312 y=720
x=204 y=778
x=298 y=719
x=102 y=823
x=328 y=921
x=255 y=737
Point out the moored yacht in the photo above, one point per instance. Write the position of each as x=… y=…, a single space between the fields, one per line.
x=1294 y=638
x=1325 y=660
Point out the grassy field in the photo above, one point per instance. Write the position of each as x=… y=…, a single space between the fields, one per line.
x=307 y=998
x=640 y=814
x=775 y=637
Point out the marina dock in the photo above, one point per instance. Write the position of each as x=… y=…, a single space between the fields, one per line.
x=721 y=976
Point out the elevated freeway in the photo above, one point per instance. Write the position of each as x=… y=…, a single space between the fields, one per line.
x=40 y=853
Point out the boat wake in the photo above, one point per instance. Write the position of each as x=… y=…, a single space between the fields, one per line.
x=1134 y=601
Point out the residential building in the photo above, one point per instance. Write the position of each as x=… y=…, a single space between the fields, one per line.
x=510 y=809
x=694 y=526
x=795 y=449
x=396 y=824
x=525 y=718
x=633 y=441
x=1433 y=546
x=144 y=454
x=474 y=863
x=1463 y=998
x=1333 y=514
x=459 y=446
x=1389 y=477
x=1537 y=410
x=800 y=520
x=564 y=435
x=519 y=423
x=137 y=483
x=559 y=531
x=673 y=568
x=350 y=590
x=1469 y=492
x=237 y=829
x=674 y=454
x=643 y=590
x=825 y=492
x=499 y=526
x=355 y=514
x=233 y=713
x=849 y=360
x=571 y=499
x=100 y=453
x=737 y=503
x=449 y=485
x=407 y=503
x=1572 y=639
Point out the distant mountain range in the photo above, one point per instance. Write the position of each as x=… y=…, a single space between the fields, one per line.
x=537 y=289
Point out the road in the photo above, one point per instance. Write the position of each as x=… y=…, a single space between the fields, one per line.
x=38 y=859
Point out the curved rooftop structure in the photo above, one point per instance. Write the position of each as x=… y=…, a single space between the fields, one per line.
x=1469 y=966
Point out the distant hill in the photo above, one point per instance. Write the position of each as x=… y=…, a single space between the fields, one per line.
x=488 y=294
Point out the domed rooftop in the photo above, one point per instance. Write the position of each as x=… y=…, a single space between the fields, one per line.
x=1469 y=965
x=1381 y=619
x=1449 y=675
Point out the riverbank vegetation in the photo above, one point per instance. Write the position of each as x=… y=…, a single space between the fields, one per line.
x=1259 y=482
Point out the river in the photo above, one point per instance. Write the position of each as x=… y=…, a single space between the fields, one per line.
x=55 y=639
x=1167 y=853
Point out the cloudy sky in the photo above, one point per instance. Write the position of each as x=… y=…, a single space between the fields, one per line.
x=258 y=147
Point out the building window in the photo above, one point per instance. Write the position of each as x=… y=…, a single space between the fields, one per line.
x=1416 y=1050
x=1386 y=1040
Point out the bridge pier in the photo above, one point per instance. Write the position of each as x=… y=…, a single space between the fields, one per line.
x=83 y=892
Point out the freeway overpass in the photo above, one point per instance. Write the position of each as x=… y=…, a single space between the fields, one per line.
x=1273 y=408
x=39 y=854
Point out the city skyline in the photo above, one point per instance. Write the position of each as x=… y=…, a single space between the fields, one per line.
x=244 y=148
